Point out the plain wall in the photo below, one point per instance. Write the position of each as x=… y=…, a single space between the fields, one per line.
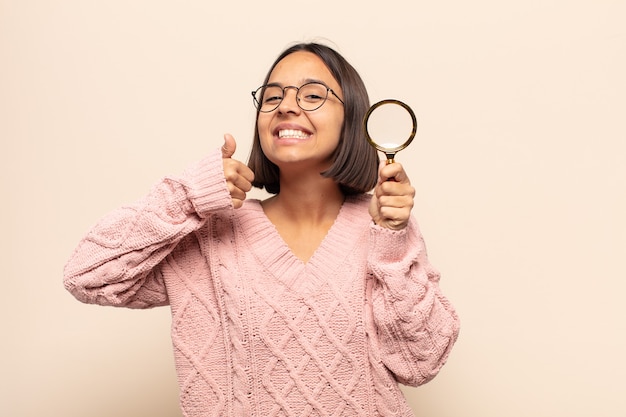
x=519 y=165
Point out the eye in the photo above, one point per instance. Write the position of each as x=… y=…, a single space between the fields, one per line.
x=272 y=99
x=272 y=95
x=313 y=92
x=312 y=97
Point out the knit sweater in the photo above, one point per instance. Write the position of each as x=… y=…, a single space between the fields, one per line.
x=256 y=331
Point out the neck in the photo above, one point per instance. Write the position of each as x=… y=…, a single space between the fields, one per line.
x=312 y=199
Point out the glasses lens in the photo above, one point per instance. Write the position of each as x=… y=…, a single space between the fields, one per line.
x=311 y=96
x=267 y=98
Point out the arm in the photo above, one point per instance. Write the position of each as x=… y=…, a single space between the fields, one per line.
x=416 y=326
x=118 y=262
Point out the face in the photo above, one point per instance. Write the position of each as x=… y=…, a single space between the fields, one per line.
x=292 y=137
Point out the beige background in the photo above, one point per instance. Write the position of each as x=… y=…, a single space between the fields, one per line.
x=519 y=165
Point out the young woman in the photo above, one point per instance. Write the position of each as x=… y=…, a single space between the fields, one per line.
x=316 y=301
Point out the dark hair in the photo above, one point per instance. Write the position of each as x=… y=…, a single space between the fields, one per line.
x=355 y=161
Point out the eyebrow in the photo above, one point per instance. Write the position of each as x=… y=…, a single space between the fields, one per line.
x=305 y=81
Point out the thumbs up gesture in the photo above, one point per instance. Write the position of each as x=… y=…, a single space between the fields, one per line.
x=238 y=176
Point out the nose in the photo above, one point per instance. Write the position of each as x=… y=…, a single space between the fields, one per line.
x=290 y=101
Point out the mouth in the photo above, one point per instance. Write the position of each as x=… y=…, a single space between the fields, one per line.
x=292 y=134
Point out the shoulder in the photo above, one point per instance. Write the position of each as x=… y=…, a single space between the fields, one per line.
x=359 y=200
x=251 y=207
x=358 y=205
x=250 y=216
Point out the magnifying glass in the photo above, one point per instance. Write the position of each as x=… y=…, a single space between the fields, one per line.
x=393 y=124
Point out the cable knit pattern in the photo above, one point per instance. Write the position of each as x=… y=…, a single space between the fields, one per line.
x=257 y=332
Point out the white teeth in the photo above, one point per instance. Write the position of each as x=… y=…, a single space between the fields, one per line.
x=290 y=133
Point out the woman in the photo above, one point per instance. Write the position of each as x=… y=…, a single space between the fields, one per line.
x=316 y=301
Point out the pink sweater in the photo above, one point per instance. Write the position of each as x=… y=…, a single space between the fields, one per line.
x=257 y=332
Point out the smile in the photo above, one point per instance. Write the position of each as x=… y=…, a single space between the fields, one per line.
x=291 y=133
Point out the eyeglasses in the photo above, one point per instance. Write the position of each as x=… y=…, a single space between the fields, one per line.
x=309 y=96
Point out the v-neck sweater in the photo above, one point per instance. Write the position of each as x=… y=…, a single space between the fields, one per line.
x=255 y=330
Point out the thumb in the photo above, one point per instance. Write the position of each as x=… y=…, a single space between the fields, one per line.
x=228 y=149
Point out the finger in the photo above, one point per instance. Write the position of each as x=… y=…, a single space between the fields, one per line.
x=237 y=203
x=234 y=169
x=394 y=218
x=236 y=193
x=394 y=172
x=242 y=183
x=246 y=172
x=393 y=188
x=397 y=202
x=229 y=146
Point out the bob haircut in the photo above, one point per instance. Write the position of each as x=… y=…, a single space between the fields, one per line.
x=355 y=161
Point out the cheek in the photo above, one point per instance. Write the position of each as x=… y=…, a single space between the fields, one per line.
x=265 y=137
x=262 y=122
x=263 y=129
x=339 y=127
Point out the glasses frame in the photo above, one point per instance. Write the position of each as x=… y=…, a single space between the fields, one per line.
x=258 y=104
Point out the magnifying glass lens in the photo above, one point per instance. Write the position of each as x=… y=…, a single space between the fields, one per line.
x=390 y=126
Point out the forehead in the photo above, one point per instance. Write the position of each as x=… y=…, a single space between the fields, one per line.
x=300 y=67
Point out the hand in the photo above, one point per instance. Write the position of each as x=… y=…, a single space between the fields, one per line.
x=393 y=197
x=238 y=176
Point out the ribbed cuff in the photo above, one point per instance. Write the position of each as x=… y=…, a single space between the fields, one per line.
x=206 y=186
x=388 y=245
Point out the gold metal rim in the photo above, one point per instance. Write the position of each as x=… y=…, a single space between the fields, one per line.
x=405 y=143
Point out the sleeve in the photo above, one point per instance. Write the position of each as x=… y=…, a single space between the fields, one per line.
x=118 y=262
x=415 y=325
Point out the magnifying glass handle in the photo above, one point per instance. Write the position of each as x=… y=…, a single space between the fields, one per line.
x=390 y=160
